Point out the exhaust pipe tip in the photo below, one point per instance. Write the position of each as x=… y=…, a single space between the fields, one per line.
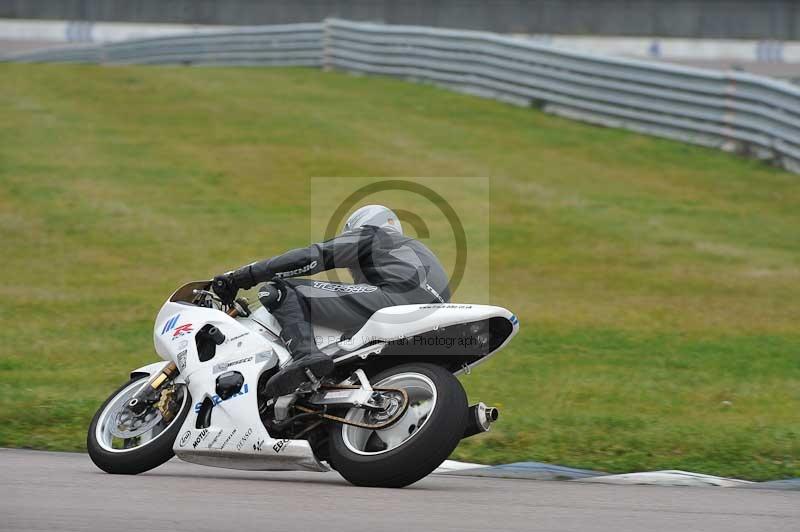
x=480 y=419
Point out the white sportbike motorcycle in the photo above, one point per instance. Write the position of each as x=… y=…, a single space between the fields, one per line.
x=389 y=415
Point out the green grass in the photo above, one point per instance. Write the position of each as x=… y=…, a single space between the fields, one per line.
x=657 y=283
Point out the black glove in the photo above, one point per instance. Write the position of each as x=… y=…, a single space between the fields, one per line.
x=225 y=287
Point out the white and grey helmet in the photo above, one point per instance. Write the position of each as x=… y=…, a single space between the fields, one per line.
x=376 y=215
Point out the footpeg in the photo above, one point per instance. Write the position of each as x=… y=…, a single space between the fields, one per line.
x=311 y=377
x=305 y=372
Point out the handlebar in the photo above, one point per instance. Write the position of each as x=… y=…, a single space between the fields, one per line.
x=239 y=307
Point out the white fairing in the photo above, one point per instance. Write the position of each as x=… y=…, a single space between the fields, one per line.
x=405 y=321
x=236 y=437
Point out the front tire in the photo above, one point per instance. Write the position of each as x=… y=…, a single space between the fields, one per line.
x=131 y=456
x=415 y=445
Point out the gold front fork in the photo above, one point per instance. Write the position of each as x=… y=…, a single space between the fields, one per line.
x=169 y=372
x=151 y=392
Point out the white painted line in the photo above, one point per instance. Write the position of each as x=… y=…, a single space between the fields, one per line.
x=453 y=465
x=668 y=478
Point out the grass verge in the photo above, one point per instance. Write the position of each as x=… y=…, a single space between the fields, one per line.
x=657 y=283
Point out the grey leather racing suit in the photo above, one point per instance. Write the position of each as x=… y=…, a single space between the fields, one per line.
x=388 y=269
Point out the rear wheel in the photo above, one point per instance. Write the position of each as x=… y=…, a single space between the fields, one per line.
x=417 y=443
x=121 y=443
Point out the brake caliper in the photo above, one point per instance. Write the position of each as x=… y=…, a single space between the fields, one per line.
x=166 y=404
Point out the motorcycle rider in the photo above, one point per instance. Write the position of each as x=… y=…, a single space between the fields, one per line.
x=388 y=269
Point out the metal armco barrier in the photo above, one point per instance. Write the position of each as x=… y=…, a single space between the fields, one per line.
x=739 y=112
x=284 y=45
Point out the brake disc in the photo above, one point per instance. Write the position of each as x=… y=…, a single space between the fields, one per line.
x=126 y=425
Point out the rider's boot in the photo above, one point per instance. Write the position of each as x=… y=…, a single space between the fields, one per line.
x=298 y=338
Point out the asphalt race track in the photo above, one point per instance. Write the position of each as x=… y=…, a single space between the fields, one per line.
x=65 y=492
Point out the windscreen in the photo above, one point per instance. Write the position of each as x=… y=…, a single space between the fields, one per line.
x=186 y=292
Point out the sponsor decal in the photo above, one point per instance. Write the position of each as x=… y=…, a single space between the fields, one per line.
x=298 y=271
x=280 y=445
x=186 y=328
x=341 y=394
x=244 y=439
x=200 y=437
x=225 y=442
x=216 y=437
x=183 y=344
x=430 y=289
x=170 y=324
x=228 y=439
x=345 y=288
x=179 y=331
x=182 y=360
x=257 y=445
x=234 y=338
x=222 y=366
x=445 y=306
x=185 y=438
x=216 y=399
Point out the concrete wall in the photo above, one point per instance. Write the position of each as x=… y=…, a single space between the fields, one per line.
x=753 y=19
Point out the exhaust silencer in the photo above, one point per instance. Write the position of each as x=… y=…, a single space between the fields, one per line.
x=479 y=419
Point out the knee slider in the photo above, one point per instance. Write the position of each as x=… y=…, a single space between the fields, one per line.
x=272 y=294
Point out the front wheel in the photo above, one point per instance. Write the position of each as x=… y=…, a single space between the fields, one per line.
x=121 y=443
x=417 y=443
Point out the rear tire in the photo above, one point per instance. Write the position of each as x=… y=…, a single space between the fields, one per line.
x=420 y=454
x=139 y=459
